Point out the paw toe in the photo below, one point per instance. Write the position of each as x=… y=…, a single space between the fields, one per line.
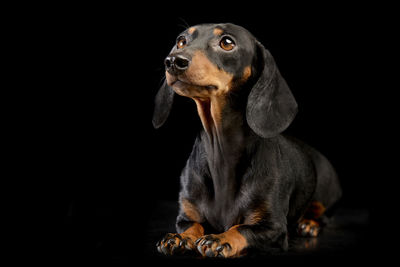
x=308 y=228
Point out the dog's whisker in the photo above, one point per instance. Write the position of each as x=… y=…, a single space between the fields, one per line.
x=185 y=25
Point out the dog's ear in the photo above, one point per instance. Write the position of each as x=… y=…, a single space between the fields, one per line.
x=162 y=105
x=271 y=107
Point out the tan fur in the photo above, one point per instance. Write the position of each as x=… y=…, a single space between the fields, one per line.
x=192 y=233
x=218 y=32
x=190 y=210
x=191 y=30
x=256 y=216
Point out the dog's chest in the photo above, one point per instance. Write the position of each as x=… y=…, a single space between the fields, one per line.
x=221 y=207
x=222 y=216
x=226 y=166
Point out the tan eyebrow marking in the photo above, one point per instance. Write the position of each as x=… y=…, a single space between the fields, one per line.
x=218 y=31
x=191 y=30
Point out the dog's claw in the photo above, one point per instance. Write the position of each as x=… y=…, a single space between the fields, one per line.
x=209 y=243
x=219 y=248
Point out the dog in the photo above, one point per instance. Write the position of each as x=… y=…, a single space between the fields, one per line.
x=245 y=185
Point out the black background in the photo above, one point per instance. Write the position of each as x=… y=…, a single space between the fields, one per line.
x=98 y=69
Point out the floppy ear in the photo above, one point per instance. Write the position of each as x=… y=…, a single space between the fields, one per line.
x=162 y=105
x=271 y=107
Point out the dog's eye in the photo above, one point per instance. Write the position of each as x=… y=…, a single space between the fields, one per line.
x=227 y=43
x=181 y=42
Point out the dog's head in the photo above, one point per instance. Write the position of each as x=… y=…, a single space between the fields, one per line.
x=215 y=60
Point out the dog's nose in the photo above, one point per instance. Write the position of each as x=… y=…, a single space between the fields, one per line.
x=176 y=64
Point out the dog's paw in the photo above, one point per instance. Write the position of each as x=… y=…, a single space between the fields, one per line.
x=210 y=246
x=308 y=228
x=173 y=244
x=221 y=246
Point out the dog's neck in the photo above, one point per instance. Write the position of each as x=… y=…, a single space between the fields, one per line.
x=225 y=131
x=223 y=124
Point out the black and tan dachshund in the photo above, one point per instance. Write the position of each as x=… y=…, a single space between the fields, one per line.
x=245 y=185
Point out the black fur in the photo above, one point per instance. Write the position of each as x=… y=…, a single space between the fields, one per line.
x=250 y=166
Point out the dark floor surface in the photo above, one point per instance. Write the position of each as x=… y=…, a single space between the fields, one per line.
x=350 y=238
x=344 y=239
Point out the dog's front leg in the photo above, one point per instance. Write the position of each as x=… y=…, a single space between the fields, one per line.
x=189 y=230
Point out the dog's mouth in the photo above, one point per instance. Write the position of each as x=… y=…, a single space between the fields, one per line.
x=178 y=83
